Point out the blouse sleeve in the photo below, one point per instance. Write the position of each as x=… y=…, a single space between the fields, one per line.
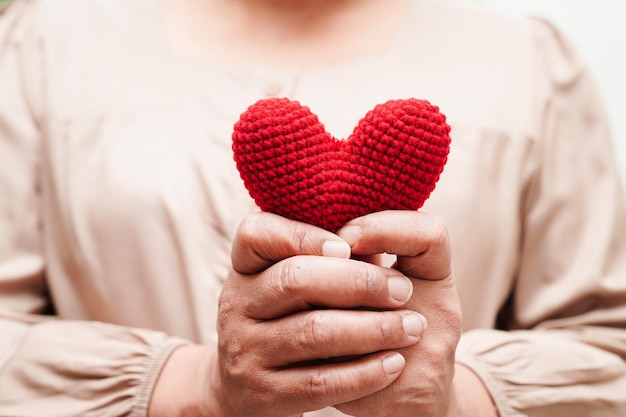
x=562 y=343
x=48 y=366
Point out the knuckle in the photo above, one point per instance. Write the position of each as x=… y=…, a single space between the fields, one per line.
x=440 y=353
x=318 y=388
x=299 y=237
x=384 y=328
x=441 y=350
x=449 y=309
x=362 y=381
x=233 y=358
x=367 y=280
x=292 y=277
x=438 y=233
x=233 y=341
x=228 y=306
x=248 y=228
x=316 y=331
x=370 y=280
x=456 y=318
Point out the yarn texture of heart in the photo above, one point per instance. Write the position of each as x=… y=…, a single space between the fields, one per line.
x=292 y=167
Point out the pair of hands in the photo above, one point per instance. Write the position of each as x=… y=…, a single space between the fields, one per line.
x=303 y=325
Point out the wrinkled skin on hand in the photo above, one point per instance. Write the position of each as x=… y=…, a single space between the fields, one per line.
x=421 y=244
x=302 y=326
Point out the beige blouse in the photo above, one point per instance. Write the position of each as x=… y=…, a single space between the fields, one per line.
x=119 y=198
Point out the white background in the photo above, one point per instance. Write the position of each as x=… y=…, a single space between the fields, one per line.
x=598 y=29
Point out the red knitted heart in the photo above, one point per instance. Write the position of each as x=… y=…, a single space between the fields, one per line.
x=291 y=166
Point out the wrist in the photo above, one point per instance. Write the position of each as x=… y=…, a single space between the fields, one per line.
x=469 y=397
x=182 y=388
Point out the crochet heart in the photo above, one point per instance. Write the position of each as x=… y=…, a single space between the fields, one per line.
x=292 y=167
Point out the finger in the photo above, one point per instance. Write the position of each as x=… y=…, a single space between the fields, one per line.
x=304 y=282
x=262 y=239
x=324 y=334
x=314 y=387
x=419 y=239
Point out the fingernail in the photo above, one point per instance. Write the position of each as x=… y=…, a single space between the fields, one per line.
x=350 y=234
x=400 y=288
x=336 y=249
x=414 y=324
x=393 y=364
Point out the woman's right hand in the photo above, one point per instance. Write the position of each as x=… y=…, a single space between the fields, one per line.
x=301 y=326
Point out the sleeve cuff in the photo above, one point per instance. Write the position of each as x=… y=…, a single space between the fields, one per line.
x=154 y=367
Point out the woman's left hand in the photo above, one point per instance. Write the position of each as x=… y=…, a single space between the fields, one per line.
x=421 y=244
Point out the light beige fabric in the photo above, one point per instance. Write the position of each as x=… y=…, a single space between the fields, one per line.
x=119 y=198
